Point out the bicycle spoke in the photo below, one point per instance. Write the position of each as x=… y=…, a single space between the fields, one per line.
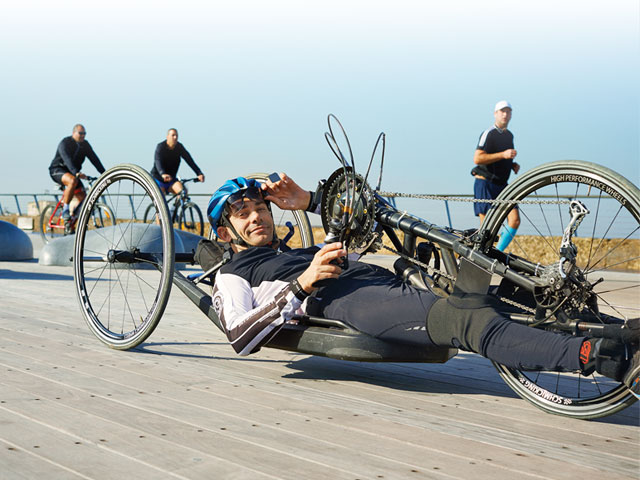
x=101 y=266
x=135 y=273
x=609 y=267
x=107 y=299
x=126 y=302
x=139 y=279
x=617 y=289
x=613 y=249
x=593 y=233
x=553 y=251
x=604 y=235
x=544 y=217
x=612 y=307
x=98 y=279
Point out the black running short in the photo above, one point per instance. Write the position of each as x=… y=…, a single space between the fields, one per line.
x=56 y=174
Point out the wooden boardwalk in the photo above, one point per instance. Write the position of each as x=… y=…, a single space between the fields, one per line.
x=184 y=406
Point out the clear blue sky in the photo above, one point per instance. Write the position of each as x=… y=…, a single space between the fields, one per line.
x=249 y=84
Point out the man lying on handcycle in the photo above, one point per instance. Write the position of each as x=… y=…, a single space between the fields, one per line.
x=265 y=284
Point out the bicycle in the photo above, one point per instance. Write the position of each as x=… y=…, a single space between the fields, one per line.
x=52 y=224
x=569 y=291
x=185 y=214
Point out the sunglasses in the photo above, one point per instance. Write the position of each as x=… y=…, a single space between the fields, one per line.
x=82 y=133
x=235 y=202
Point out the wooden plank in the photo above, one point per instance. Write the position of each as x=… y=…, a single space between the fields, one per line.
x=315 y=415
x=447 y=428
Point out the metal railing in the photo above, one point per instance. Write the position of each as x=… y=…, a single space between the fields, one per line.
x=37 y=197
x=21 y=199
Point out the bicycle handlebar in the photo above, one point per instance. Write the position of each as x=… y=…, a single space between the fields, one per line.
x=187 y=180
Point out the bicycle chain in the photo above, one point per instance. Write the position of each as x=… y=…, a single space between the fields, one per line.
x=429 y=268
x=471 y=200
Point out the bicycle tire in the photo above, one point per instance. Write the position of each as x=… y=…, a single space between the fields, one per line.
x=608 y=196
x=303 y=233
x=46 y=231
x=122 y=302
x=188 y=217
x=149 y=217
x=103 y=216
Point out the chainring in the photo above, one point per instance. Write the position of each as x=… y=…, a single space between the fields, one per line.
x=360 y=235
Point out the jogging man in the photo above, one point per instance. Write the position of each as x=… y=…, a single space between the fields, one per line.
x=265 y=284
x=66 y=165
x=167 y=161
x=494 y=161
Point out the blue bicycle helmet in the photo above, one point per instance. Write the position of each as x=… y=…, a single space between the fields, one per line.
x=218 y=201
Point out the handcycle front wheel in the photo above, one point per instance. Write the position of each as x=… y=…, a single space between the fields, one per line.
x=123 y=272
x=608 y=243
x=188 y=217
x=293 y=224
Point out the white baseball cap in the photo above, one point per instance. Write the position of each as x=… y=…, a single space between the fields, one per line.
x=502 y=104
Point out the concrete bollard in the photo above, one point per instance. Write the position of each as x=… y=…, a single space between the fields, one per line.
x=60 y=250
x=14 y=243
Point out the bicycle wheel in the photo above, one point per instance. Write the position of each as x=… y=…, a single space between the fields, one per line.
x=608 y=245
x=149 y=214
x=291 y=225
x=188 y=217
x=123 y=272
x=102 y=216
x=51 y=227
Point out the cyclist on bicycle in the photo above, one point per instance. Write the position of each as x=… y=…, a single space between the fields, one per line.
x=66 y=165
x=167 y=161
x=265 y=284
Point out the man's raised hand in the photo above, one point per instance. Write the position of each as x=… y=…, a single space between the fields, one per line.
x=286 y=193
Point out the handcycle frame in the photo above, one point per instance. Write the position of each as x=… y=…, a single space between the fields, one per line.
x=472 y=270
x=336 y=339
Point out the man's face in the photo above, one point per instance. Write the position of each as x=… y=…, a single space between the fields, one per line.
x=79 y=134
x=253 y=222
x=172 y=138
x=503 y=116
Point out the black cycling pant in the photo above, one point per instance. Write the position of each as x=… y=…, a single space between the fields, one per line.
x=375 y=301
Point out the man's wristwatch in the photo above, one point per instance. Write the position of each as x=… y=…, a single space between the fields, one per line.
x=315 y=197
x=298 y=291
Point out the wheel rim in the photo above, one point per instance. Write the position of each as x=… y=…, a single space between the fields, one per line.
x=608 y=241
x=122 y=302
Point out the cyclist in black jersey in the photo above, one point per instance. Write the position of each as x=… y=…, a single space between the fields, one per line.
x=265 y=285
x=65 y=168
x=167 y=161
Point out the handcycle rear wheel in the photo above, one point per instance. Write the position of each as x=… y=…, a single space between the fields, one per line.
x=188 y=217
x=51 y=228
x=123 y=273
x=302 y=232
x=608 y=241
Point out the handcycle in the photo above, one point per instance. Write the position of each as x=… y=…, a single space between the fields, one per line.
x=563 y=283
x=52 y=224
x=185 y=214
